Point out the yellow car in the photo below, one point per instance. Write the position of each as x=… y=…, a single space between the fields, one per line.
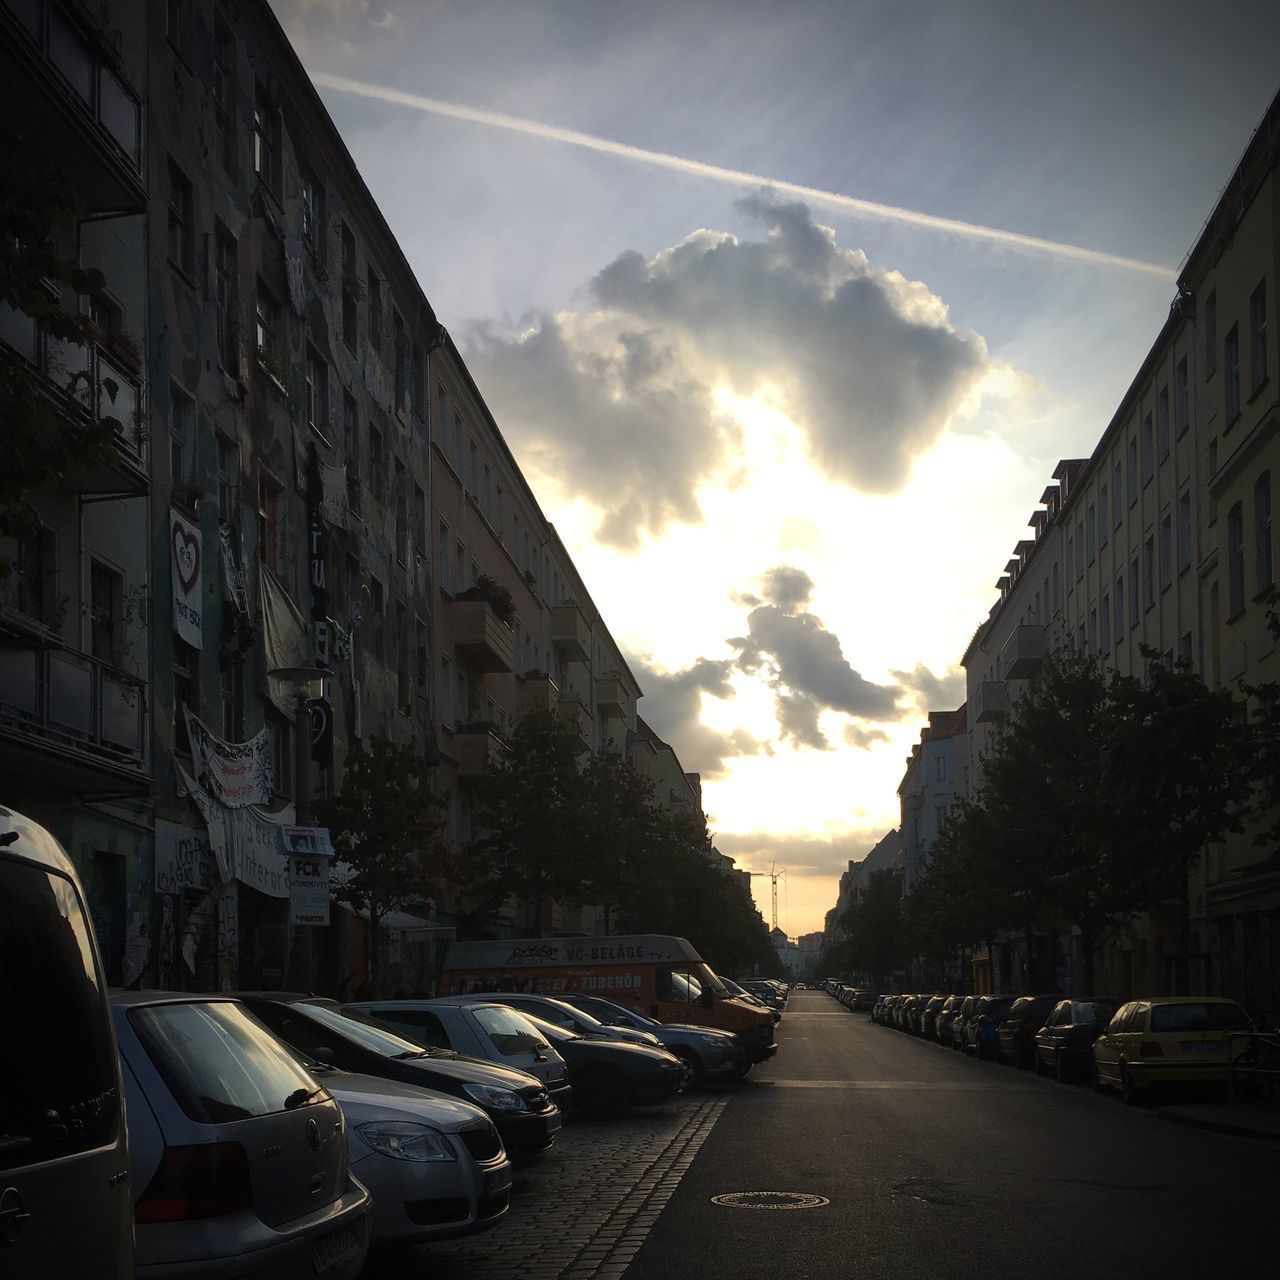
x=1167 y=1039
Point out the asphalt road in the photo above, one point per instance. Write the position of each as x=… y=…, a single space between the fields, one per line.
x=936 y=1165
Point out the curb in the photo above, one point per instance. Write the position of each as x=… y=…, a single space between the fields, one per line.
x=1218 y=1126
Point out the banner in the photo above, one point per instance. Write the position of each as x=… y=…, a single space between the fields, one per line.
x=232 y=572
x=310 y=856
x=185 y=557
x=245 y=845
x=234 y=773
x=183 y=858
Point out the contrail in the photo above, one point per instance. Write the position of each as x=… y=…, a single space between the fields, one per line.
x=741 y=178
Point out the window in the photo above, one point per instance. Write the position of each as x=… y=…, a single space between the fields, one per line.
x=1181 y=398
x=420 y=655
x=1258 y=337
x=224 y=298
x=1105 y=633
x=1184 y=647
x=488 y=494
x=404 y=673
x=374 y=290
x=379 y=609
x=420 y=530
x=1135 y=606
x=1057 y=591
x=498 y=514
x=459 y=567
x=317 y=393
x=106 y=613
x=233 y=701
x=1071 y=562
x=1117 y=502
x=446 y=692
x=186 y=692
x=402 y=513
x=224 y=89
x=1262 y=526
x=269 y=497
x=940 y=769
x=1235 y=560
x=175 y=25
x=1093 y=631
x=475 y=469
x=1149 y=572
x=350 y=288
x=266 y=138
x=1103 y=505
x=1148 y=450
x=458 y=431
x=446 y=569
x=1211 y=335
x=268 y=332
x=1090 y=532
x=228 y=481
x=181 y=230
x=1231 y=373
x=377 y=463
x=313 y=213
x=1080 y=547
x=1132 y=460
x=399 y=354
x=1119 y=608
x=351 y=444
x=1213 y=469
x=36 y=572
x=1166 y=552
x=1162 y=422
x=182 y=459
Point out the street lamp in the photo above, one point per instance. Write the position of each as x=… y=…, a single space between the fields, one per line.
x=304 y=684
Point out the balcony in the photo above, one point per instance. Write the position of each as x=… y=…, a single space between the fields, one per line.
x=570 y=633
x=611 y=696
x=577 y=714
x=1023 y=652
x=70 y=704
x=991 y=702
x=537 y=692
x=479 y=748
x=482 y=641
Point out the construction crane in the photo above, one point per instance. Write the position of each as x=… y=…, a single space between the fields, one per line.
x=774 y=875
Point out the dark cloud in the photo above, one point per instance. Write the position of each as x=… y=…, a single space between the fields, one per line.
x=800 y=854
x=616 y=400
x=860 y=736
x=786 y=587
x=672 y=702
x=933 y=693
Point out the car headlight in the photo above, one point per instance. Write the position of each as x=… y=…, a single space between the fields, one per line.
x=500 y=1099
x=403 y=1140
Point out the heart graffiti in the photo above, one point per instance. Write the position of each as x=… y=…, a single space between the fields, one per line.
x=186 y=556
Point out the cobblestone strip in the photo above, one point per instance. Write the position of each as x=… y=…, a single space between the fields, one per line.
x=586 y=1211
x=629 y=1224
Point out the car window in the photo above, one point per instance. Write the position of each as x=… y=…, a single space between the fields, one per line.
x=1198 y=1017
x=1118 y=1019
x=1061 y=1016
x=1089 y=1013
x=310 y=1027
x=418 y=1024
x=58 y=1088
x=219 y=1064
x=1137 y=1019
x=510 y=1032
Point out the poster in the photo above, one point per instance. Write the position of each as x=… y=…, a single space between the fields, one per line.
x=186 y=555
x=309 y=888
x=234 y=773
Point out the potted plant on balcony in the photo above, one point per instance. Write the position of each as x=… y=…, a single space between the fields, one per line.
x=494 y=594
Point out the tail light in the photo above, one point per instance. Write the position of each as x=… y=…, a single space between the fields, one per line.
x=1151 y=1049
x=203 y=1181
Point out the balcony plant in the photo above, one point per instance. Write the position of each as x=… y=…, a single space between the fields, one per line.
x=494 y=594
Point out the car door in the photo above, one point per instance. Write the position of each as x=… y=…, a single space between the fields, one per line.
x=1131 y=1032
x=1052 y=1036
x=1106 y=1048
x=516 y=1042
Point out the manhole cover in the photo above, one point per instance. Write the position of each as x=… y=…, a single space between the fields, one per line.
x=770 y=1200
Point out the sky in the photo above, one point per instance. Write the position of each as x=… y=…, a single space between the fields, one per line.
x=787 y=313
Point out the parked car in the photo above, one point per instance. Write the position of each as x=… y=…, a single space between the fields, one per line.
x=1065 y=1043
x=516 y=1102
x=902 y=1012
x=983 y=1028
x=477 y=1029
x=1016 y=1035
x=741 y=993
x=929 y=1017
x=66 y=1203
x=863 y=1001
x=435 y=1166
x=713 y=1056
x=1167 y=1040
x=608 y=1076
x=238 y=1154
x=944 y=1022
x=960 y=1023
x=551 y=1009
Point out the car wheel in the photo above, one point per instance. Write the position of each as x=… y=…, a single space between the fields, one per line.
x=603 y=1092
x=1128 y=1090
x=697 y=1077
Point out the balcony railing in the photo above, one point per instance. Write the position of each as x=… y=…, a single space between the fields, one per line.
x=480 y=638
x=577 y=714
x=611 y=695
x=70 y=702
x=991 y=702
x=536 y=693
x=1023 y=652
x=480 y=748
x=570 y=633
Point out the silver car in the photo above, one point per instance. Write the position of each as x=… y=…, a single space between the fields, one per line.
x=479 y=1030
x=436 y=1167
x=238 y=1156
x=549 y=1009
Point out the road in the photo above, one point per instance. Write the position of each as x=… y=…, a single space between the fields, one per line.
x=933 y=1166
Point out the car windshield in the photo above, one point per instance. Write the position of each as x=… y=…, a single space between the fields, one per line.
x=556 y=1035
x=510 y=1031
x=608 y=1012
x=1198 y=1017
x=1088 y=1013
x=220 y=1065
x=365 y=1034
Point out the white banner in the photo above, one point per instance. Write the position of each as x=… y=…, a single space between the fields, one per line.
x=186 y=557
x=183 y=858
x=234 y=773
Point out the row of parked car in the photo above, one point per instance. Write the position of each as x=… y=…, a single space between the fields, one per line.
x=275 y=1133
x=1132 y=1047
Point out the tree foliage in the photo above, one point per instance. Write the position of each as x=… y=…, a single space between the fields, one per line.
x=875 y=928
x=385 y=824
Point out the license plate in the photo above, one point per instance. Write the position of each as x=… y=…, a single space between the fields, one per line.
x=337 y=1251
x=554 y=1123
x=497 y=1180
x=1203 y=1046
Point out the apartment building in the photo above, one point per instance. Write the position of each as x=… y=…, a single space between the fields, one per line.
x=927 y=792
x=74 y=642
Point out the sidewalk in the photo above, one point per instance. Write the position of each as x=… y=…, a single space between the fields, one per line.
x=1226 y=1117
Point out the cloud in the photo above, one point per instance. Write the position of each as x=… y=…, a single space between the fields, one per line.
x=801 y=854
x=616 y=402
x=672 y=705
x=803 y=662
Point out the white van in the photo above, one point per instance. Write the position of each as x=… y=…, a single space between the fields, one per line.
x=66 y=1205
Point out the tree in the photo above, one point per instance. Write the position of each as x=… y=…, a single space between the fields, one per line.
x=874 y=927
x=41 y=436
x=385 y=823
x=532 y=812
x=1260 y=758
